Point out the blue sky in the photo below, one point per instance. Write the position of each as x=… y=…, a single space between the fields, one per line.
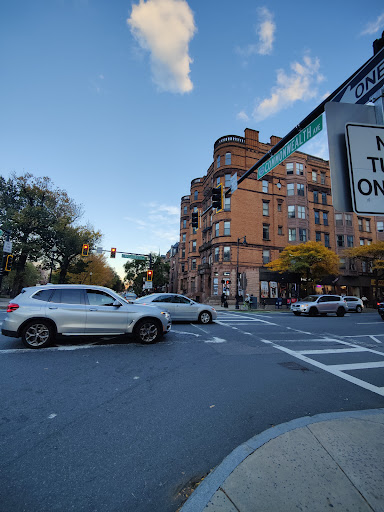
x=120 y=102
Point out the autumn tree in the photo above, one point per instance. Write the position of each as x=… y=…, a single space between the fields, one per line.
x=97 y=272
x=311 y=260
x=373 y=255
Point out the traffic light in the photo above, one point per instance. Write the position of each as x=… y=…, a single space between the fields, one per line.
x=149 y=275
x=113 y=252
x=195 y=219
x=8 y=263
x=85 y=250
x=217 y=197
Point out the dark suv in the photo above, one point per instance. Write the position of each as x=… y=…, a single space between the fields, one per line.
x=380 y=309
x=39 y=313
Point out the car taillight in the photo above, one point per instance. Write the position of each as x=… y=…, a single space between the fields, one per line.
x=12 y=307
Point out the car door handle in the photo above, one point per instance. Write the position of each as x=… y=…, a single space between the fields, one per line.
x=53 y=307
x=92 y=309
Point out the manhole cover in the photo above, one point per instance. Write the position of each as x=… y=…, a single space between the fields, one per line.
x=292 y=365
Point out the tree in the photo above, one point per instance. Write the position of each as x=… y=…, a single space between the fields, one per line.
x=311 y=260
x=97 y=272
x=374 y=256
x=32 y=277
x=136 y=271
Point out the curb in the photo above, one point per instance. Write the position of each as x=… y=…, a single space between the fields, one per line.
x=200 y=498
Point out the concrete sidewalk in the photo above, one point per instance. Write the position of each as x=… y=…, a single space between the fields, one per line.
x=333 y=460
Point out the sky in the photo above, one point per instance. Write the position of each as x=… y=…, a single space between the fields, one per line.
x=120 y=102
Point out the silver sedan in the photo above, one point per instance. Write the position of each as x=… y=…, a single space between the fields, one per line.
x=180 y=307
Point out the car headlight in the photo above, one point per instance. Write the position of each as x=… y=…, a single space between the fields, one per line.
x=166 y=314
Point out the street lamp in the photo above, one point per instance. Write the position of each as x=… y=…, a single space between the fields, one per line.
x=244 y=242
x=53 y=252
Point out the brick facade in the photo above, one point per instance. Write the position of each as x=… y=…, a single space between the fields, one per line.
x=291 y=204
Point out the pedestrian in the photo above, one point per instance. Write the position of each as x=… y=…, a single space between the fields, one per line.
x=247 y=301
x=223 y=299
x=365 y=301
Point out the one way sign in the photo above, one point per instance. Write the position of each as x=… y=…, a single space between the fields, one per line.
x=369 y=80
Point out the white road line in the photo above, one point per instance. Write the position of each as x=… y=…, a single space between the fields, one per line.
x=367 y=323
x=51 y=349
x=357 y=366
x=200 y=328
x=332 y=351
x=186 y=332
x=297 y=330
x=375 y=339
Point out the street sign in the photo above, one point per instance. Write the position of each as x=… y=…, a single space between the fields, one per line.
x=7 y=247
x=1 y=232
x=133 y=256
x=99 y=250
x=369 y=80
x=233 y=182
x=148 y=285
x=293 y=145
x=365 y=148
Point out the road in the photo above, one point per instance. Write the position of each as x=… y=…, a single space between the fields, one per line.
x=110 y=425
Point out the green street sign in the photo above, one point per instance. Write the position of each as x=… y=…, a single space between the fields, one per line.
x=1 y=232
x=133 y=256
x=293 y=145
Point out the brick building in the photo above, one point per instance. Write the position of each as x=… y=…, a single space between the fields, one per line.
x=290 y=205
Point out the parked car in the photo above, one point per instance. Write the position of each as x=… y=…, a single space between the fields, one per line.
x=129 y=296
x=380 y=309
x=354 y=303
x=320 y=305
x=40 y=313
x=180 y=307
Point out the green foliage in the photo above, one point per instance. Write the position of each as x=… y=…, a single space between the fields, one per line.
x=136 y=271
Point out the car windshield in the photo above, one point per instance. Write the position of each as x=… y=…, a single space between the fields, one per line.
x=146 y=298
x=310 y=298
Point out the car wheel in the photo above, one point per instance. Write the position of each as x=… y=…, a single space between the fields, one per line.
x=359 y=309
x=313 y=312
x=147 y=331
x=205 y=317
x=37 y=334
x=340 y=312
x=297 y=313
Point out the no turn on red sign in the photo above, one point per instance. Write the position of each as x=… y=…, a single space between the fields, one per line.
x=365 y=150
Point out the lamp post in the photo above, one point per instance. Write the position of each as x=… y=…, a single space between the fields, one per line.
x=53 y=252
x=244 y=242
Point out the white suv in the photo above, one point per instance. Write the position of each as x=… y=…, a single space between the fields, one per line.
x=320 y=305
x=39 y=313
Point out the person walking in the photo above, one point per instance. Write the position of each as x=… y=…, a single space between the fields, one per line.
x=223 y=299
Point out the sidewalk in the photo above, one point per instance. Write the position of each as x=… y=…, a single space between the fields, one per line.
x=329 y=461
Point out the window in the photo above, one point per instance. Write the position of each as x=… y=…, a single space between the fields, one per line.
x=302 y=235
x=217 y=226
x=380 y=226
x=369 y=242
x=364 y=266
x=193 y=285
x=227 y=180
x=216 y=254
x=339 y=219
x=279 y=230
x=322 y=178
x=342 y=263
x=184 y=224
x=183 y=253
x=227 y=254
x=218 y=162
x=326 y=240
x=314 y=176
x=325 y=218
x=367 y=225
x=185 y=210
x=361 y=241
x=227 y=204
x=265 y=231
x=317 y=217
x=292 y=234
x=360 y=223
x=289 y=167
x=340 y=240
x=290 y=189
x=97 y=298
x=349 y=240
x=300 y=189
x=279 y=207
x=195 y=195
x=228 y=158
x=194 y=246
x=291 y=211
x=265 y=186
x=215 y=286
x=194 y=231
x=315 y=196
x=218 y=181
x=324 y=198
x=299 y=169
x=301 y=212
x=183 y=237
x=193 y=264
x=182 y=267
x=265 y=208
x=266 y=256
x=348 y=219
x=227 y=228
x=318 y=236
x=42 y=295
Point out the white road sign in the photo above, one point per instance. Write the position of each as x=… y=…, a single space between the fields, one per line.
x=365 y=149
x=369 y=80
x=7 y=247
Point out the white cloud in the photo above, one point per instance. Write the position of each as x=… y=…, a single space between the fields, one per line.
x=242 y=116
x=265 y=30
x=374 y=26
x=301 y=84
x=165 y=28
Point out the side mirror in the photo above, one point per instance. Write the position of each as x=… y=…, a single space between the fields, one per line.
x=117 y=303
